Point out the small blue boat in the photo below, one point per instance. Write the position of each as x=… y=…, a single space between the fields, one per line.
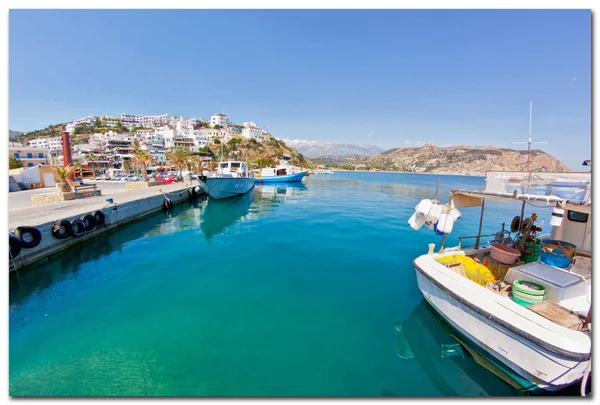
x=280 y=178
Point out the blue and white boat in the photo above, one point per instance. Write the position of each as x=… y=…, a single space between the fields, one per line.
x=280 y=174
x=231 y=179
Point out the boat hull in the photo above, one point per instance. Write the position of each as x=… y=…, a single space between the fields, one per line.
x=227 y=187
x=288 y=178
x=530 y=365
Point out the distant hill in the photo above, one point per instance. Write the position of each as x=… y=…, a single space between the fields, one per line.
x=320 y=149
x=470 y=160
x=14 y=133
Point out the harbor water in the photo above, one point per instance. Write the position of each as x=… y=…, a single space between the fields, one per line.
x=291 y=290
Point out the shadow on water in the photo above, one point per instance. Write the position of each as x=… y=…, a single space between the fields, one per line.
x=424 y=337
x=220 y=214
x=44 y=273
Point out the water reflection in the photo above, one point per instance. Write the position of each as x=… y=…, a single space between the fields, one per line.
x=220 y=214
x=424 y=337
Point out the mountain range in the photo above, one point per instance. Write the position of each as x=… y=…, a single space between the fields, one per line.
x=332 y=150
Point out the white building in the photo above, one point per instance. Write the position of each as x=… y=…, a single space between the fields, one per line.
x=55 y=143
x=70 y=127
x=131 y=120
x=46 y=143
x=221 y=120
x=153 y=121
x=210 y=134
x=252 y=133
x=39 y=143
x=89 y=120
x=196 y=123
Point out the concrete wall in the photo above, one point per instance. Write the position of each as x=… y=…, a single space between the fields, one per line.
x=123 y=214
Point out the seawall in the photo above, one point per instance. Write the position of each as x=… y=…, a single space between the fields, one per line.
x=116 y=215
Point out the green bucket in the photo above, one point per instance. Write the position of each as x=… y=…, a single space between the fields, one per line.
x=534 y=249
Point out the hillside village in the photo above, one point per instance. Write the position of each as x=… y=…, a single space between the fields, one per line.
x=110 y=145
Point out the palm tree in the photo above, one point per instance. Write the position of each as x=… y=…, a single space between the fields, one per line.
x=91 y=158
x=196 y=164
x=137 y=148
x=212 y=165
x=144 y=159
x=178 y=156
x=63 y=173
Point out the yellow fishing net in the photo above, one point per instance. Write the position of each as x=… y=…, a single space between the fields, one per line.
x=474 y=271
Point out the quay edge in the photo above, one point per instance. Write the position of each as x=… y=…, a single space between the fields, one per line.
x=125 y=212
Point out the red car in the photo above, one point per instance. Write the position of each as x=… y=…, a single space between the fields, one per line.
x=166 y=179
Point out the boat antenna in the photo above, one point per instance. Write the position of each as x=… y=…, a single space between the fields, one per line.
x=529 y=142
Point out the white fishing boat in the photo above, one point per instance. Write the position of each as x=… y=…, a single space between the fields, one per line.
x=530 y=316
x=232 y=178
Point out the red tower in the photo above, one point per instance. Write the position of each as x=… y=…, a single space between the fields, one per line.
x=66 y=149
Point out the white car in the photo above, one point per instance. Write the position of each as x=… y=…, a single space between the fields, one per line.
x=131 y=177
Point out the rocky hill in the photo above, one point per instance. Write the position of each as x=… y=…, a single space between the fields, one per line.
x=331 y=150
x=469 y=160
x=261 y=154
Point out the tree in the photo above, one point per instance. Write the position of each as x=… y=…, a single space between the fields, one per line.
x=178 y=156
x=97 y=123
x=137 y=148
x=217 y=126
x=196 y=164
x=14 y=163
x=92 y=158
x=216 y=141
x=144 y=159
x=63 y=173
x=205 y=150
x=234 y=142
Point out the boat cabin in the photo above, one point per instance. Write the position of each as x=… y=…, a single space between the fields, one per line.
x=233 y=168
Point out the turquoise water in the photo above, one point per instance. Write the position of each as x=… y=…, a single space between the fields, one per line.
x=289 y=291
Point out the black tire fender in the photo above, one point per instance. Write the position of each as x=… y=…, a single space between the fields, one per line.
x=167 y=205
x=89 y=221
x=99 y=217
x=515 y=224
x=29 y=236
x=14 y=246
x=62 y=229
x=78 y=227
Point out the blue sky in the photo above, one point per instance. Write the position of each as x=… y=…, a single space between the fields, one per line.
x=390 y=78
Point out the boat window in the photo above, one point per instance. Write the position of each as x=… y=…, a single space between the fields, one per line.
x=235 y=165
x=577 y=216
x=223 y=165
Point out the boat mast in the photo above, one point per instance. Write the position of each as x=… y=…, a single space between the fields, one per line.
x=529 y=142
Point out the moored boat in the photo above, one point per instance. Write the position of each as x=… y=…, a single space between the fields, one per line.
x=232 y=178
x=279 y=175
x=544 y=341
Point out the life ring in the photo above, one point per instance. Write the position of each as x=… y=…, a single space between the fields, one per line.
x=78 y=227
x=14 y=246
x=514 y=225
x=167 y=205
x=89 y=221
x=99 y=217
x=62 y=229
x=29 y=236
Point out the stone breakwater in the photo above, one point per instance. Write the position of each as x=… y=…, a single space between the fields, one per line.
x=116 y=215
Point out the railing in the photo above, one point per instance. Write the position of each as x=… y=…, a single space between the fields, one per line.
x=502 y=236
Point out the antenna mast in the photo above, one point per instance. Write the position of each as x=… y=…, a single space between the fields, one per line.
x=529 y=142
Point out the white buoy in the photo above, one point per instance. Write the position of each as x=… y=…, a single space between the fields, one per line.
x=557 y=216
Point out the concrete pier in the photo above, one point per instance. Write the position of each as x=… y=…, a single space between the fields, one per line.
x=127 y=207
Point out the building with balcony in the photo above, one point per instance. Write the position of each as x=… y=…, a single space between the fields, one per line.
x=89 y=120
x=109 y=122
x=30 y=156
x=153 y=121
x=221 y=120
x=131 y=120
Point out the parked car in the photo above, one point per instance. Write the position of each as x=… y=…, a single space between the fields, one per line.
x=131 y=177
x=103 y=177
x=166 y=179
